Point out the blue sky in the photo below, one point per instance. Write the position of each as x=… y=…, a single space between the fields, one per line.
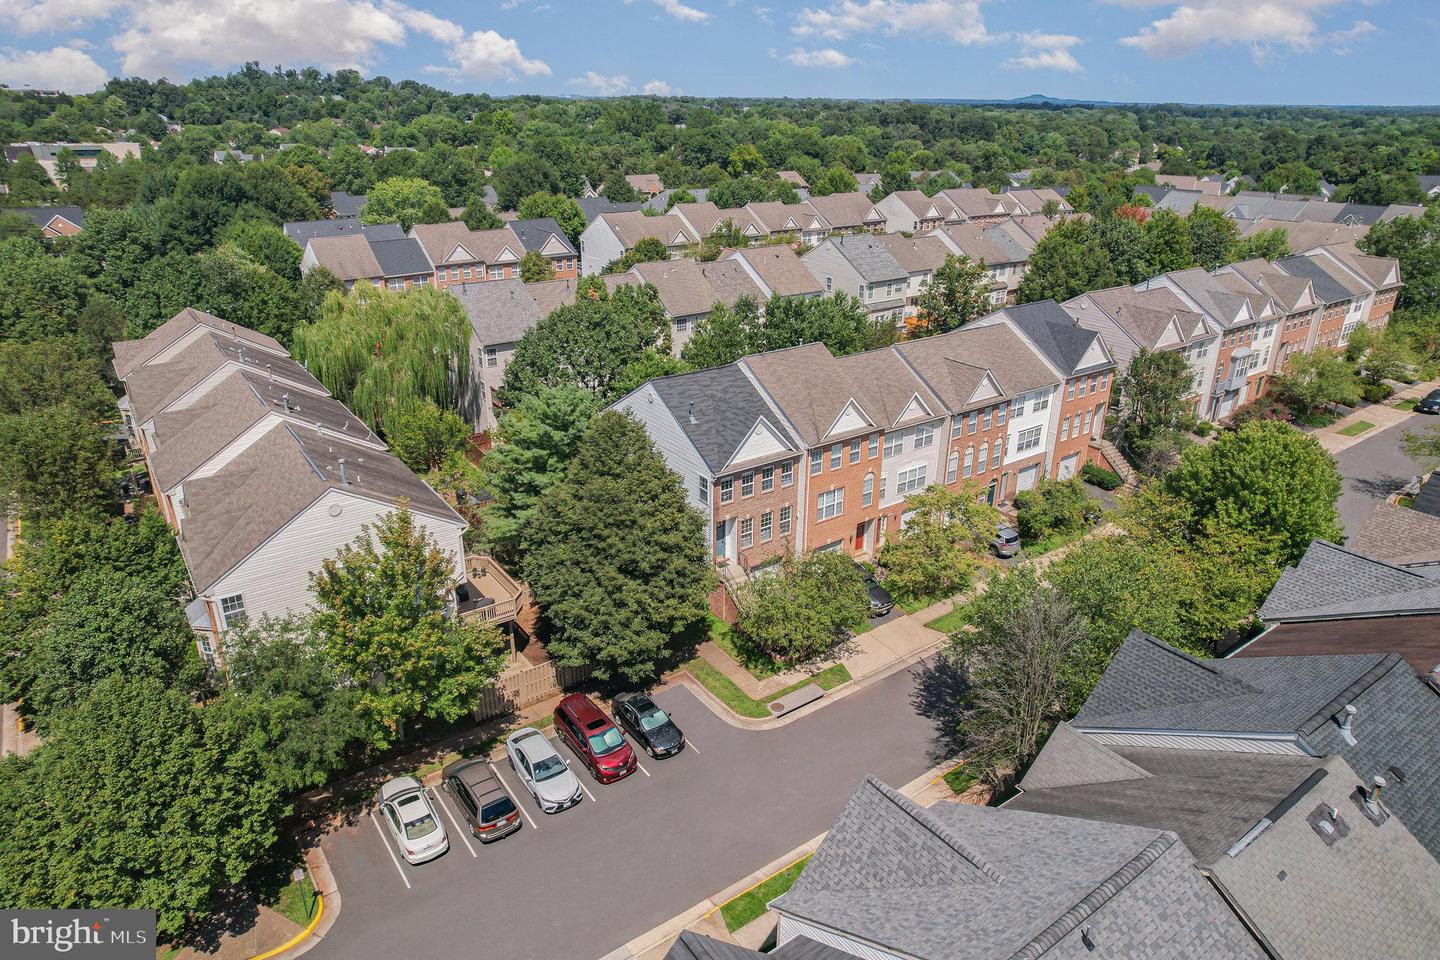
x=1231 y=51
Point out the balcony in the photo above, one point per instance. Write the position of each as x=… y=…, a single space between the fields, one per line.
x=1232 y=384
x=488 y=592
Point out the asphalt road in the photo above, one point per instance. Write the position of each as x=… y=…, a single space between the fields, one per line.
x=1376 y=467
x=580 y=883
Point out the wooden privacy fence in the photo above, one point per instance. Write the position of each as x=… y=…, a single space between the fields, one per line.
x=517 y=689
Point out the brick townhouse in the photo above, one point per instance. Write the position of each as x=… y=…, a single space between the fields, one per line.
x=1080 y=357
x=1295 y=301
x=462 y=255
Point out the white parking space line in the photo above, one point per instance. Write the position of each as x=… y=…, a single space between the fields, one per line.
x=690 y=745
x=642 y=768
x=585 y=788
x=506 y=787
x=458 y=829
x=386 y=843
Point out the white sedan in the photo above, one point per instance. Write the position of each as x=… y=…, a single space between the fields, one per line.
x=415 y=826
x=545 y=774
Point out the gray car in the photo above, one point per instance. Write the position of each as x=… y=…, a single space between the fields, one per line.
x=543 y=771
x=1006 y=543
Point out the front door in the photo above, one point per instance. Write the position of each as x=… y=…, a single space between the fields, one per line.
x=722 y=539
x=990 y=493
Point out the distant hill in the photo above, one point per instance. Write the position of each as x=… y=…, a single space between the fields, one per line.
x=1044 y=100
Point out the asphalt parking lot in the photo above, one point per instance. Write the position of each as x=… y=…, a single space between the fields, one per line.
x=577 y=884
x=1376 y=467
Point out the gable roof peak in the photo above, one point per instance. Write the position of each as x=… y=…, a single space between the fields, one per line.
x=941 y=832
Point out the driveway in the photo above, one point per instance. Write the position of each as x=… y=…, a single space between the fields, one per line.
x=1374 y=468
x=580 y=883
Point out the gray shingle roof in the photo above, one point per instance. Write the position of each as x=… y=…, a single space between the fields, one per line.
x=500 y=311
x=1055 y=333
x=869 y=257
x=1152 y=686
x=346 y=204
x=534 y=234
x=961 y=882
x=304 y=230
x=593 y=207
x=1399 y=535
x=694 y=946
x=40 y=216
x=724 y=405
x=1332 y=582
x=400 y=258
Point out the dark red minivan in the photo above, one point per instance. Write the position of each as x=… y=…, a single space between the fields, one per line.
x=594 y=738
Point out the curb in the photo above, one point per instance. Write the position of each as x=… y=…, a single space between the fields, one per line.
x=657 y=936
x=327 y=909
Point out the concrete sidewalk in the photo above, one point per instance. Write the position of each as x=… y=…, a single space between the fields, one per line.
x=1382 y=415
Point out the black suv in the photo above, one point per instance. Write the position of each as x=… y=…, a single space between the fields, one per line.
x=483 y=802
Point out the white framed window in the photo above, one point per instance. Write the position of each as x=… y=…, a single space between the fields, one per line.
x=787 y=474
x=909 y=479
x=492 y=357
x=767 y=527
x=995 y=452
x=817 y=461
x=1027 y=440
x=872 y=447
x=952 y=466
x=747 y=483
x=969 y=461
x=232 y=611
x=704 y=489
x=1065 y=429
x=972 y=421
x=497 y=272
x=984 y=455
x=747 y=532
x=727 y=489
x=894 y=443
x=867 y=491
x=830 y=504
x=1070 y=390
x=985 y=420
x=835 y=456
x=784 y=520
x=855 y=450
x=1042 y=402
x=956 y=426
x=767 y=479
x=924 y=436
x=999 y=414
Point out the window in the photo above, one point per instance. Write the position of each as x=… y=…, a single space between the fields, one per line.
x=867 y=492
x=952 y=467
x=873 y=447
x=910 y=479
x=232 y=611
x=985 y=420
x=1087 y=422
x=894 y=443
x=747 y=532
x=995 y=455
x=855 y=450
x=747 y=483
x=497 y=273
x=682 y=324
x=984 y=454
x=1070 y=390
x=1042 y=402
x=784 y=520
x=767 y=527
x=1065 y=429
x=704 y=489
x=727 y=489
x=787 y=474
x=1093 y=381
x=924 y=436
x=999 y=414
x=956 y=425
x=1017 y=407
x=767 y=479
x=1027 y=440
x=830 y=504
x=1104 y=380
x=882 y=485
x=969 y=461
x=973 y=421
x=492 y=357
x=829 y=285
x=1080 y=392
x=816 y=461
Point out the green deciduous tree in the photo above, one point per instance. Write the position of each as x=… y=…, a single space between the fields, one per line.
x=587 y=344
x=1068 y=261
x=1213 y=237
x=266 y=245
x=382 y=611
x=1166 y=244
x=565 y=211
x=406 y=200
x=802 y=611
x=941 y=547
x=1266 y=479
x=1054 y=507
x=376 y=349
x=48 y=373
x=646 y=250
x=725 y=335
x=54 y=461
x=956 y=293
x=535 y=268
x=1415 y=242
x=43 y=294
x=617 y=602
x=1151 y=407
x=424 y=436
x=1315 y=380
x=479 y=216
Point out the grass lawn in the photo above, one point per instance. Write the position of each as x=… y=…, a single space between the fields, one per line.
x=1407 y=404
x=297 y=901
x=1054 y=542
x=1356 y=428
x=757 y=662
x=948 y=622
x=1315 y=418
x=736 y=699
x=960 y=779
x=751 y=904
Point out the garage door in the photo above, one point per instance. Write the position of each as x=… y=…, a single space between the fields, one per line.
x=1067 y=466
x=1026 y=478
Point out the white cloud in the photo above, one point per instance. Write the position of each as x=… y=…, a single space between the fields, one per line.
x=1259 y=24
x=485 y=55
x=680 y=11
x=60 y=68
x=659 y=88
x=763 y=14
x=1341 y=41
x=600 y=84
x=959 y=21
x=1046 y=51
x=827 y=57
x=36 y=16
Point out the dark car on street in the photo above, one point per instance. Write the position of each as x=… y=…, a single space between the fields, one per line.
x=594 y=739
x=881 y=602
x=651 y=727
x=483 y=802
x=1430 y=403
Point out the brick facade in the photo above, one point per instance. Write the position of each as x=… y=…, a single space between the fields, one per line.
x=1332 y=320
x=1082 y=415
x=1381 y=307
x=980 y=431
x=850 y=525
x=769 y=495
x=1294 y=335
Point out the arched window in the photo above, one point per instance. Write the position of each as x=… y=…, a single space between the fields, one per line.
x=984 y=455
x=969 y=461
x=952 y=468
x=867 y=493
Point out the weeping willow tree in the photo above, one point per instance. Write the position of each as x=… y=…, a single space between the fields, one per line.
x=379 y=350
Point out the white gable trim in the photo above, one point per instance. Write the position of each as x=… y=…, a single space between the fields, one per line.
x=1172 y=335
x=506 y=255
x=762 y=442
x=985 y=389
x=1096 y=354
x=459 y=253
x=554 y=247
x=851 y=418
x=915 y=408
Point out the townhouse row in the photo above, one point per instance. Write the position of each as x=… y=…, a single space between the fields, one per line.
x=797 y=450
x=434 y=254
x=262 y=473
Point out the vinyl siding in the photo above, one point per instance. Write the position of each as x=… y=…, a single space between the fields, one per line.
x=680 y=455
x=790 y=928
x=598 y=246
x=275 y=578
